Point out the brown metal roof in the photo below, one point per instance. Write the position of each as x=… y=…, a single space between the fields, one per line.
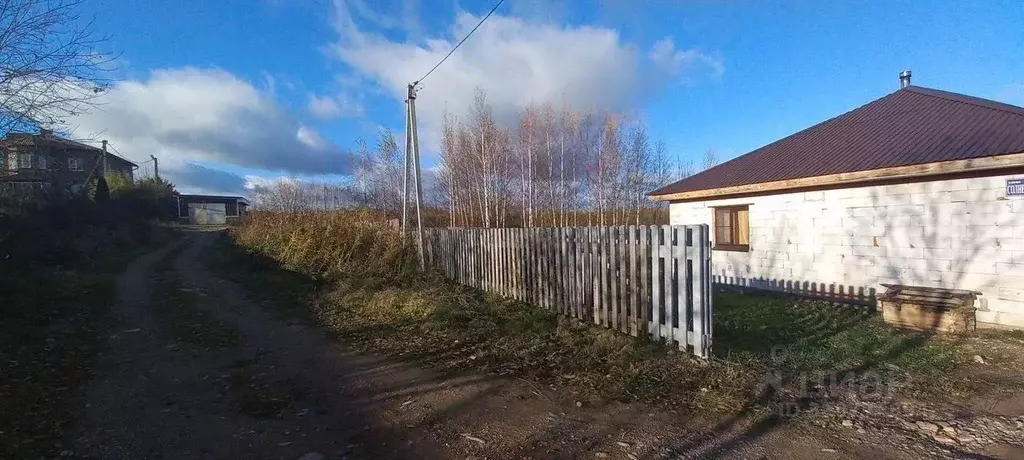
x=913 y=125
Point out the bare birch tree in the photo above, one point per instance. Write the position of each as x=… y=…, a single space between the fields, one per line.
x=50 y=68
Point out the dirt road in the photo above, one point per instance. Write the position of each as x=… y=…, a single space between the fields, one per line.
x=278 y=389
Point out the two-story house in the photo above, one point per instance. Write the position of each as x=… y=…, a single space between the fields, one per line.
x=44 y=159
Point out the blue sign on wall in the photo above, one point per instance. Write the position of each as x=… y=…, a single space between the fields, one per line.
x=1014 y=187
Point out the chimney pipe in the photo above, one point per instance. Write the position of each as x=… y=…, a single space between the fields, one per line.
x=904 y=79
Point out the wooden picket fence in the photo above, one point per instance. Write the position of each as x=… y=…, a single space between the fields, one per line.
x=646 y=280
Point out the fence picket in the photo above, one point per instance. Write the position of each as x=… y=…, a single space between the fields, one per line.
x=639 y=280
x=682 y=296
x=701 y=291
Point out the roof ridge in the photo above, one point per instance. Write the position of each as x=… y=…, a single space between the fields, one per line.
x=969 y=100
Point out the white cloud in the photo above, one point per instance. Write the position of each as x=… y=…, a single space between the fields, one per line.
x=209 y=116
x=516 y=61
x=260 y=184
x=674 y=61
x=329 y=107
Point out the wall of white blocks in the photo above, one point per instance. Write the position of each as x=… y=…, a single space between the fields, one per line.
x=961 y=233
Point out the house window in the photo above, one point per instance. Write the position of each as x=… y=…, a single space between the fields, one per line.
x=24 y=160
x=732 y=228
x=41 y=162
x=75 y=164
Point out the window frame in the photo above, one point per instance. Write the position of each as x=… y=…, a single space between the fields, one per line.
x=734 y=230
x=75 y=164
x=22 y=164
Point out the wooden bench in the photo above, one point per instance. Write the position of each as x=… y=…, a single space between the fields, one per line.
x=928 y=309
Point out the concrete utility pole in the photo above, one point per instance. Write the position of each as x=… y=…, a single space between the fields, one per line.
x=408 y=163
x=412 y=139
x=156 y=167
x=103 y=159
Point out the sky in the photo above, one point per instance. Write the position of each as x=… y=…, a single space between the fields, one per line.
x=233 y=94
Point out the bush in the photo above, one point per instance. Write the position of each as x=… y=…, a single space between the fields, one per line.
x=329 y=243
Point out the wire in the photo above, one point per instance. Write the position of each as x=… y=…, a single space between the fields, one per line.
x=118 y=152
x=461 y=42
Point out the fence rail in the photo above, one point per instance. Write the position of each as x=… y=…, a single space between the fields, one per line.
x=642 y=280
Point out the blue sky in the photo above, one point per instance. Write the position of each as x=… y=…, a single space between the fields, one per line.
x=225 y=90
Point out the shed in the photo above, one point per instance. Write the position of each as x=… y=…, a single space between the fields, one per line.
x=920 y=187
x=209 y=209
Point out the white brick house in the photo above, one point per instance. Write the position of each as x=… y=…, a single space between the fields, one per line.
x=914 y=188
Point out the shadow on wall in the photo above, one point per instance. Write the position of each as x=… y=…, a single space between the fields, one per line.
x=924 y=233
x=938 y=237
x=845 y=294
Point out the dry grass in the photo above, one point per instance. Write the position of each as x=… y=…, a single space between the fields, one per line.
x=327 y=244
x=373 y=297
x=377 y=301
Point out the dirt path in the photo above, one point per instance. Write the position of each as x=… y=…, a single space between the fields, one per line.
x=284 y=390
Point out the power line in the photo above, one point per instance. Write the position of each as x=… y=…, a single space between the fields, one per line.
x=118 y=152
x=462 y=41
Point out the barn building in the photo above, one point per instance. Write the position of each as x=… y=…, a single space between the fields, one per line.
x=920 y=187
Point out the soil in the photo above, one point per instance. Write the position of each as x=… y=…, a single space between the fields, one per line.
x=287 y=390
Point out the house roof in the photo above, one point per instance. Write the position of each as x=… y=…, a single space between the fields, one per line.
x=51 y=139
x=911 y=126
x=214 y=197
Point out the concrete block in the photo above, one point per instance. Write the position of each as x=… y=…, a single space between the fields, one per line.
x=1008 y=244
x=988 y=183
x=867 y=251
x=840 y=258
x=905 y=210
x=905 y=252
x=814 y=196
x=1010 y=269
x=900 y=221
x=858 y=202
x=834 y=249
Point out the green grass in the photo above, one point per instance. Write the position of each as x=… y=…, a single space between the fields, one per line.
x=818 y=337
x=431 y=321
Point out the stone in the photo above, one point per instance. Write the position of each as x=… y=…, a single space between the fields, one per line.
x=927 y=427
x=848 y=423
x=313 y=456
x=944 y=439
x=601 y=455
x=979 y=359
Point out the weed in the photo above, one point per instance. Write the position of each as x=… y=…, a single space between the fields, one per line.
x=425 y=318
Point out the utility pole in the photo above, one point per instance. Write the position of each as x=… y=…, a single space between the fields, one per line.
x=156 y=167
x=408 y=163
x=412 y=138
x=103 y=159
